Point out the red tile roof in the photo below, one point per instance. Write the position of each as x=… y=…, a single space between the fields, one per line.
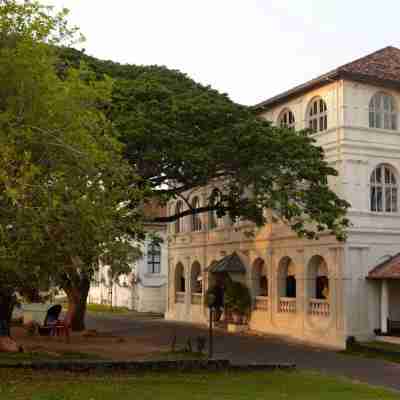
x=381 y=68
x=389 y=269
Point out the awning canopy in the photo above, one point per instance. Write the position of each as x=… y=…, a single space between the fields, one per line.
x=388 y=269
x=231 y=263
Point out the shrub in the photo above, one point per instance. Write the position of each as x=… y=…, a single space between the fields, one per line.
x=237 y=298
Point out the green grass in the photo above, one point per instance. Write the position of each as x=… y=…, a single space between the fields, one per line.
x=104 y=308
x=17 y=385
x=392 y=356
x=385 y=346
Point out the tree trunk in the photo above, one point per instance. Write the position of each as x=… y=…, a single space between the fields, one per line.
x=77 y=298
x=7 y=302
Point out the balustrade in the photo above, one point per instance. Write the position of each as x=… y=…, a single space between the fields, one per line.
x=179 y=297
x=261 y=303
x=319 y=307
x=287 y=305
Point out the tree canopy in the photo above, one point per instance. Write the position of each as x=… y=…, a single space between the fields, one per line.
x=181 y=135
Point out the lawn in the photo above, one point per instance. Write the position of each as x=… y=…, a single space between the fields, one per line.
x=105 y=308
x=392 y=351
x=176 y=386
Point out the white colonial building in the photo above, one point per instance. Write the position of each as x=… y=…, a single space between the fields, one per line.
x=144 y=289
x=319 y=291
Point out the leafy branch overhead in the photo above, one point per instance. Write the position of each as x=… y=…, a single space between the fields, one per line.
x=180 y=135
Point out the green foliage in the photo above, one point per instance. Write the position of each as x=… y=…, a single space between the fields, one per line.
x=67 y=195
x=181 y=135
x=237 y=298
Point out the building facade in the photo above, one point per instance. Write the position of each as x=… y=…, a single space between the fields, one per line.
x=318 y=291
x=144 y=289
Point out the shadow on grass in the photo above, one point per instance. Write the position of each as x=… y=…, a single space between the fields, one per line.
x=45 y=356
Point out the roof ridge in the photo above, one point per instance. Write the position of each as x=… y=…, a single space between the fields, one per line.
x=364 y=69
x=384 y=49
x=374 y=272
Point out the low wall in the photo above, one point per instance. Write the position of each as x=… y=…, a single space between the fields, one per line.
x=142 y=366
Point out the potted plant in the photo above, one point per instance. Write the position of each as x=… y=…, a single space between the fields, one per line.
x=237 y=300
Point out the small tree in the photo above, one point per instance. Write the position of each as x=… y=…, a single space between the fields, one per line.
x=67 y=196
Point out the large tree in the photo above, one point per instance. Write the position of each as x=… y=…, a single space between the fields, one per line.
x=63 y=174
x=64 y=186
x=181 y=135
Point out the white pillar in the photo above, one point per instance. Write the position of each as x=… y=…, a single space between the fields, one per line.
x=384 y=305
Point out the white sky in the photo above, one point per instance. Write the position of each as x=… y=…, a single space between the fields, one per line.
x=250 y=49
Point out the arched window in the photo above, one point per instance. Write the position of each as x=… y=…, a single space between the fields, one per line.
x=382 y=112
x=291 y=285
x=154 y=258
x=383 y=189
x=196 y=278
x=286 y=119
x=317 y=115
x=287 y=278
x=287 y=286
x=180 y=282
x=196 y=220
x=260 y=279
x=213 y=220
x=179 y=221
x=318 y=281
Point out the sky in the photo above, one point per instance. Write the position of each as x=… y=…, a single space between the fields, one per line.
x=249 y=49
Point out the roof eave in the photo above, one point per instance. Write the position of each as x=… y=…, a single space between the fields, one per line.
x=321 y=81
x=298 y=91
x=374 y=81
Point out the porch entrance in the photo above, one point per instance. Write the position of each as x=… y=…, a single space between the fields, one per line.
x=230 y=268
x=387 y=275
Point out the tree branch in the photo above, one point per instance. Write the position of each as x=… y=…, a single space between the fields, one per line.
x=191 y=211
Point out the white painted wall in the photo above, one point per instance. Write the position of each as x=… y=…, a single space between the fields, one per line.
x=140 y=290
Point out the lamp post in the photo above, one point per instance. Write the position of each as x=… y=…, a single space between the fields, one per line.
x=211 y=298
x=210 y=334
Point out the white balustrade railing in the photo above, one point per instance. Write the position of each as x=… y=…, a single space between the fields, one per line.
x=287 y=305
x=261 y=303
x=179 y=297
x=319 y=307
x=196 y=298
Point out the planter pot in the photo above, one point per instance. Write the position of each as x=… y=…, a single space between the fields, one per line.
x=237 y=328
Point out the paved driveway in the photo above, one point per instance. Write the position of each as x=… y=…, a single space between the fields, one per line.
x=248 y=348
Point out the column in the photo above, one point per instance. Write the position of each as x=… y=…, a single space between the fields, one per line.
x=188 y=288
x=384 y=305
